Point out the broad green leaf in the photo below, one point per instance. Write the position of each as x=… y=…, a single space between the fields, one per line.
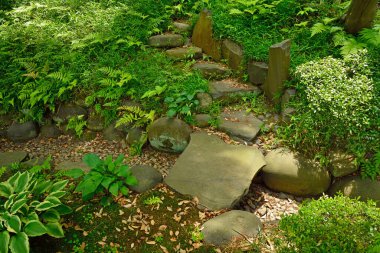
x=53 y=200
x=13 y=179
x=34 y=228
x=33 y=216
x=92 y=160
x=124 y=190
x=63 y=209
x=171 y=113
x=114 y=189
x=10 y=201
x=124 y=171
x=13 y=223
x=58 y=186
x=4 y=241
x=119 y=159
x=58 y=194
x=107 y=181
x=51 y=216
x=19 y=243
x=41 y=187
x=5 y=189
x=22 y=182
x=74 y=173
x=55 y=230
x=46 y=205
x=17 y=205
x=131 y=180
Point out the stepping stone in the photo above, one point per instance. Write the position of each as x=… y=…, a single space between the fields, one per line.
x=8 y=158
x=183 y=53
x=218 y=174
x=292 y=173
x=166 y=40
x=68 y=165
x=111 y=133
x=147 y=178
x=231 y=225
x=240 y=124
x=169 y=135
x=182 y=27
x=356 y=186
x=19 y=132
x=202 y=120
x=225 y=88
x=211 y=70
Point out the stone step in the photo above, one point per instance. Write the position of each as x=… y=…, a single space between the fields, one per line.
x=212 y=70
x=240 y=124
x=166 y=41
x=183 y=53
x=181 y=27
x=225 y=88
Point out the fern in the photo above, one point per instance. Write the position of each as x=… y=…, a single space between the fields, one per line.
x=135 y=116
x=351 y=46
x=318 y=28
x=2 y=170
x=40 y=169
x=371 y=36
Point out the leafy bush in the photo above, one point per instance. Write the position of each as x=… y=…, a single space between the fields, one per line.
x=338 y=224
x=338 y=107
x=105 y=176
x=29 y=207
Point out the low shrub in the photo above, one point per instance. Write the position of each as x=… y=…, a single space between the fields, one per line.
x=337 y=224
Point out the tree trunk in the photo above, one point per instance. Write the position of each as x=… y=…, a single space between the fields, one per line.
x=360 y=14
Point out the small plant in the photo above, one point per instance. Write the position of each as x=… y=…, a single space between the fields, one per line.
x=181 y=104
x=152 y=200
x=337 y=224
x=134 y=116
x=159 y=239
x=106 y=176
x=29 y=207
x=77 y=124
x=2 y=170
x=136 y=147
x=40 y=169
x=197 y=235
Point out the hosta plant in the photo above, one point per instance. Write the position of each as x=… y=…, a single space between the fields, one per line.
x=106 y=176
x=29 y=207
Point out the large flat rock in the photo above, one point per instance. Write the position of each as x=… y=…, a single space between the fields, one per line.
x=218 y=174
x=225 y=88
x=240 y=124
x=9 y=158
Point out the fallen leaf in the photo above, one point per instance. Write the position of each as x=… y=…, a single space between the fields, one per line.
x=151 y=242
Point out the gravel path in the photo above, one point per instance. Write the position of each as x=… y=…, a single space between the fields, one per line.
x=267 y=205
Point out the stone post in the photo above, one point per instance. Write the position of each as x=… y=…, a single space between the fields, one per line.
x=278 y=70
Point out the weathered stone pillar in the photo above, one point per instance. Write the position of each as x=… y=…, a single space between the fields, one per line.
x=360 y=14
x=233 y=53
x=278 y=70
x=203 y=38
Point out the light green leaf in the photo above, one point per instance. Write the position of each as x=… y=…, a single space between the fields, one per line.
x=51 y=216
x=34 y=228
x=55 y=230
x=58 y=186
x=63 y=209
x=19 y=243
x=5 y=189
x=58 y=194
x=131 y=180
x=13 y=223
x=4 y=241
x=74 y=173
x=46 y=205
x=17 y=205
x=92 y=160
x=114 y=189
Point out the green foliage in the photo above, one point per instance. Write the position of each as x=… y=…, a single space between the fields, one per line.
x=29 y=207
x=106 y=176
x=39 y=170
x=152 y=200
x=77 y=124
x=337 y=108
x=134 y=116
x=182 y=104
x=2 y=170
x=197 y=235
x=338 y=224
x=136 y=148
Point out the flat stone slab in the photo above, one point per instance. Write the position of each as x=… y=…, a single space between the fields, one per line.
x=8 y=158
x=225 y=88
x=231 y=225
x=166 y=40
x=218 y=174
x=147 y=178
x=182 y=53
x=212 y=70
x=68 y=165
x=240 y=124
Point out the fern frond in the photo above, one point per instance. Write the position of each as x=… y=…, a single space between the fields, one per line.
x=318 y=28
x=110 y=71
x=370 y=36
x=351 y=46
x=60 y=76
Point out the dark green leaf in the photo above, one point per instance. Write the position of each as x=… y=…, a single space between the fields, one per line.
x=17 y=205
x=12 y=180
x=46 y=205
x=5 y=189
x=22 y=182
x=92 y=160
x=114 y=189
x=63 y=209
x=51 y=216
x=13 y=223
x=131 y=180
x=58 y=194
x=74 y=173
x=4 y=241
x=124 y=190
x=54 y=230
x=41 y=187
x=58 y=186
x=107 y=181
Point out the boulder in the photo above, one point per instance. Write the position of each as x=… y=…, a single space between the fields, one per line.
x=257 y=72
x=134 y=135
x=183 y=53
x=203 y=36
x=9 y=158
x=111 y=133
x=240 y=124
x=342 y=164
x=66 y=111
x=225 y=88
x=147 y=178
x=50 y=131
x=356 y=186
x=95 y=122
x=292 y=173
x=169 y=135
x=230 y=226
x=166 y=41
x=218 y=174
x=202 y=120
x=278 y=69
x=233 y=53
x=182 y=27
x=19 y=132
x=211 y=70
x=205 y=100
